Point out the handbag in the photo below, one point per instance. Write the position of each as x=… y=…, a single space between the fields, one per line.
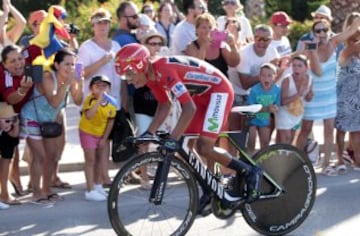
x=48 y=129
x=51 y=129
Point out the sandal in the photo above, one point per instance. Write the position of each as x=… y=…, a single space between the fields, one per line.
x=55 y=197
x=42 y=202
x=329 y=171
x=62 y=185
x=12 y=202
x=347 y=156
x=341 y=169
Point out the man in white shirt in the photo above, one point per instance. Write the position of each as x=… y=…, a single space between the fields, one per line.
x=184 y=31
x=252 y=57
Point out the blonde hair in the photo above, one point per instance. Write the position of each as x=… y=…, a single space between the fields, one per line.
x=100 y=13
x=349 y=21
x=205 y=17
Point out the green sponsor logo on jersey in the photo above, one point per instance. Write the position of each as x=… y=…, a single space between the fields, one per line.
x=213 y=124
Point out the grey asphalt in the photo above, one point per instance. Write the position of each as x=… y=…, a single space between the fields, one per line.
x=336 y=210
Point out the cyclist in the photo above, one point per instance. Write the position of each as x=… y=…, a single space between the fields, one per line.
x=206 y=96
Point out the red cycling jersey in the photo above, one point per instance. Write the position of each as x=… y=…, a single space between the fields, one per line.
x=189 y=78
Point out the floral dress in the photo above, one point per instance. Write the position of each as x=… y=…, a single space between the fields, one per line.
x=348 y=96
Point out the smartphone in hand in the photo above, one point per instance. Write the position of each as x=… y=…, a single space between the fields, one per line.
x=310 y=46
x=78 y=71
x=37 y=73
x=28 y=73
x=218 y=37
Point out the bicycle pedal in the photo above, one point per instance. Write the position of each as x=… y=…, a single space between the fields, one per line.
x=220 y=211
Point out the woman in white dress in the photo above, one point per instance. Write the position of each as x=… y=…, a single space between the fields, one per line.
x=295 y=89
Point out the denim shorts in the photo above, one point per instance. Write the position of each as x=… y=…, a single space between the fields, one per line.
x=30 y=129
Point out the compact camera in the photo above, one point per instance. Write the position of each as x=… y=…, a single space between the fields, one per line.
x=73 y=29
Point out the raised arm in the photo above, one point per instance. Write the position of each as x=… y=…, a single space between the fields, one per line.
x=20 y=22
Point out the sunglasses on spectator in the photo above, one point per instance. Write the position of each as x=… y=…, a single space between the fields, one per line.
x=133 y=16
x=148 y=11
x=153 y=44
x=264 y=39
x=233 y=3
x=9 y=120
x=320 y=17
x=232 y=21
x=201 y=7
x=318 y=31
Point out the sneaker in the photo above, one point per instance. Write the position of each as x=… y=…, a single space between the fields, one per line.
x=253 y=180
x=99 y=188
x=3 y=206
x=205 y=205
x=94 y=195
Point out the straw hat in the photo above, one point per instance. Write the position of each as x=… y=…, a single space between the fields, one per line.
x=6 y=110
x=152 y=33
x=324 y=11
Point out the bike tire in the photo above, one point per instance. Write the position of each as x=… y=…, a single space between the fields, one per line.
x=130 y=211
x=292 y=170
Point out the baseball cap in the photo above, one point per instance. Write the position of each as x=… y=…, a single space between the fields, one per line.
x=6 y=110
x=37 y=16
x=100 y=78
x=280 y=18
x=324 y=11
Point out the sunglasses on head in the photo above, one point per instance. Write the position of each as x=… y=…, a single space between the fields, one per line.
x=133 y=16
x=318 y=31
x=264 y=39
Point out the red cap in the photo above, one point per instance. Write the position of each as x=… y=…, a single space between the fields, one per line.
x=280 y=18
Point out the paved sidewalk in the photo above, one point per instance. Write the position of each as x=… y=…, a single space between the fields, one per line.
x=72 y=158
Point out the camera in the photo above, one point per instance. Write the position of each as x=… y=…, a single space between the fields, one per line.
x=73 y=29
x=311 y=46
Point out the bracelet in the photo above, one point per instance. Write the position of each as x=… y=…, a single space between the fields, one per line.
x=20 y=93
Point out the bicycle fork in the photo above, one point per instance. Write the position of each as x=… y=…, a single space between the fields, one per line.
x=158 y=188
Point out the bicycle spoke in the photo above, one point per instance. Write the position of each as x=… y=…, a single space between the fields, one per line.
x=131 y=212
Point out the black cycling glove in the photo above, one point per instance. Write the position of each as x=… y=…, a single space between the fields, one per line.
x=170 y=146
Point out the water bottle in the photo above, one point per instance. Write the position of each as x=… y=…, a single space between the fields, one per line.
x=110 y=99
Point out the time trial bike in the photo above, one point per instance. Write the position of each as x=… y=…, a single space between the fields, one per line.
x=170 y=207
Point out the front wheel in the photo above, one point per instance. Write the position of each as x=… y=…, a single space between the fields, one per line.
x=130 y=210
x=293 y=171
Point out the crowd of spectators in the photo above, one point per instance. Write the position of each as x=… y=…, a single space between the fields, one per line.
x=316 y=81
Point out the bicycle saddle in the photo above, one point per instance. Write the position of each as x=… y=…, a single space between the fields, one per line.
x=248 y=108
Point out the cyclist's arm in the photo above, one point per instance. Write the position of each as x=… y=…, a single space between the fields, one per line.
x=187 y=113
x=162 y=111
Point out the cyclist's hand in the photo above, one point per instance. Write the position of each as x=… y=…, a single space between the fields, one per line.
x=170 y=146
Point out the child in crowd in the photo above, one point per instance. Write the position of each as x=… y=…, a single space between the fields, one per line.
x=267 y=94
x=9 y=131
x=96 y=122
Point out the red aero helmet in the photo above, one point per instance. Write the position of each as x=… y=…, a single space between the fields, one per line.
x=132 y=57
